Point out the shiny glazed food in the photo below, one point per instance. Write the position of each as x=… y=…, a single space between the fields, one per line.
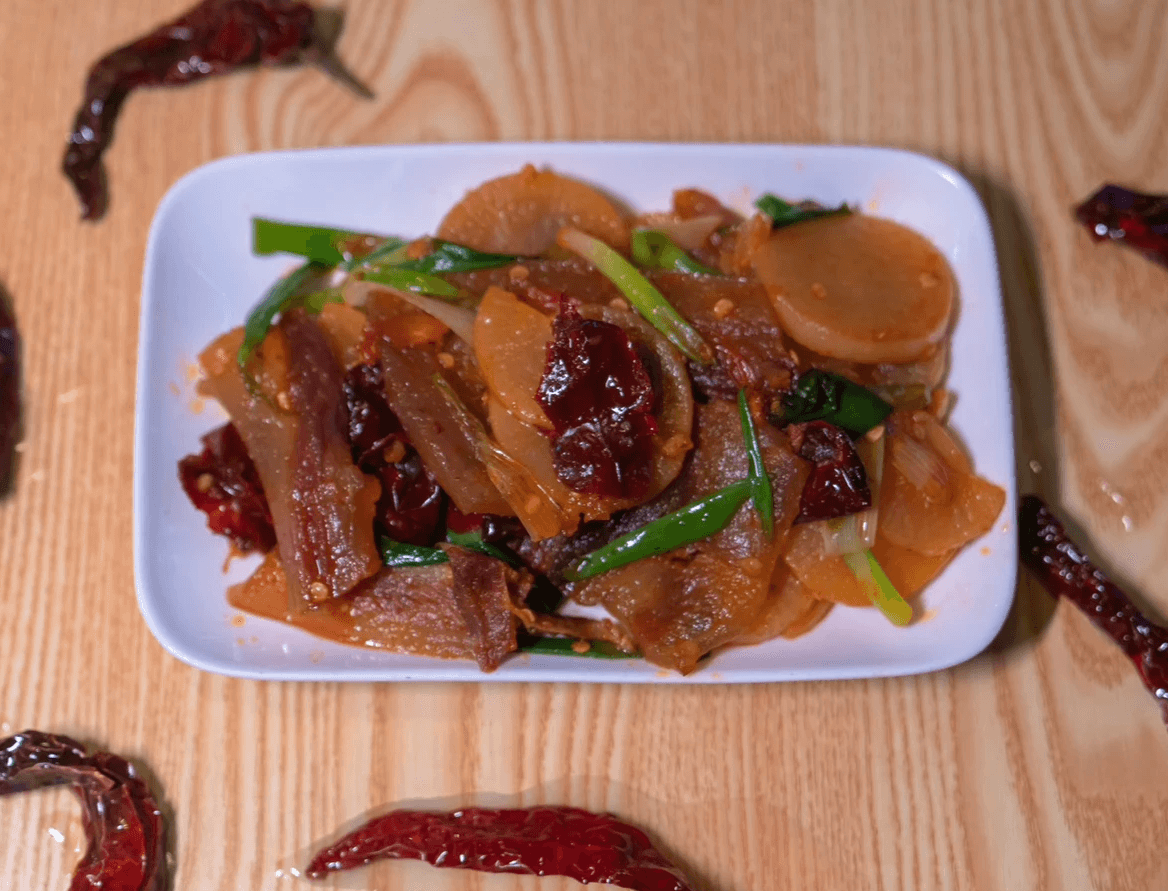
x=710 y=429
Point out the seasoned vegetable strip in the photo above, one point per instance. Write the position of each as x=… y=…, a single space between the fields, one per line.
x=783 y=213
x=280 y=297
x=760 y=483
x=824 y=396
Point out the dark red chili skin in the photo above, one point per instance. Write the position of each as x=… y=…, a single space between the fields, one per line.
x=542 y=841
x=599 y=396
x=838 y=483
x=1132 y=218
x=123 y=823
x=411 y=502
x=1065 y=571
x=213 y=37
x=9 y=390
x=223 y=482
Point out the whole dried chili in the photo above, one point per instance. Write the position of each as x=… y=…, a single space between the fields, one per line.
x=1132 y=218
x=223 y=482
x=838 y=484
x=1065 y=571
x=213 y=37
x=9 y=390
x=598 y=394
x=123 y=824
x=542 y=841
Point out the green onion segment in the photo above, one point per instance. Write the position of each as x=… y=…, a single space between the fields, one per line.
x=760 y=483
x=396 y=553
x=694 y=522
x=824 y=396
x=562 y=646
x=645 y=298
x=783 y=213
x=282 y=295
x=879 y=587
x=656 y=250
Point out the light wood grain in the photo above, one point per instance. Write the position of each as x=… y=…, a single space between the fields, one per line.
x=1040 y=765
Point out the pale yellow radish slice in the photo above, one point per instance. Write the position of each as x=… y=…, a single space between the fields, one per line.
x=522 y=213
x=858 y=288
x=510 y=345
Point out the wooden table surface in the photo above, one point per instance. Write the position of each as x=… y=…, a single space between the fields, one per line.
x=1041 y=764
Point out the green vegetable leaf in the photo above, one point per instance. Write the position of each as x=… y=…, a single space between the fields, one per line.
x=283 y=295
x=879 y=587
x=694 y=522
x=562 y=646
x=474 y=541
x=450 y=257
x=824 y=396
x=396 y=553
x=760 y=483
x=656 y=250
x=783 y=213
x=320 y=244
x=411 y=280
x=645 y=298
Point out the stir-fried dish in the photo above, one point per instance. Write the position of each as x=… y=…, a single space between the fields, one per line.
x=713 y=428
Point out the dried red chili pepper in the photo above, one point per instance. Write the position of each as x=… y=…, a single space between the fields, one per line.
x=9 y=390
x=542 y=841
x=123 y=824
x=597 y=392
x=1132 y=218
x=838 y=484
x=410 y=506
x=1065 y=571
x=223 y=482
x=213 y=37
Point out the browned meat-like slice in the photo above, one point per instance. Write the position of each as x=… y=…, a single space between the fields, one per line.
x=683 y=604
x=294 y=429
x=464 y=609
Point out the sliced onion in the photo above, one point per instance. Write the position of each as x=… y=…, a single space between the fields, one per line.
x=458 y=319
x=920 y=465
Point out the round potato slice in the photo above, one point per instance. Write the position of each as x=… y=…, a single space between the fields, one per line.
x=522 y=213
x=857 y=288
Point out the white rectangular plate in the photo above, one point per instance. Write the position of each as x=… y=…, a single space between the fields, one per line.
x=201 y=279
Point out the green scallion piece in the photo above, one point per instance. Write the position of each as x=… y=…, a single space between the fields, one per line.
x=760 y=483
x=783 y=213
x=391 y=253
x=411 y=280
x=879 y=588
x=396 y=553
x=824 y=396
x=694 y=522
x=320 y=244
x=284 y=294
x=655 y=250
x=473 y=541
x=562 y=646
x=645 y=298
x=447 y=256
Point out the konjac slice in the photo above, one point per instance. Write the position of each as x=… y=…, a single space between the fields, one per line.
x=788 y=601
x=826 y=576
x=931 y=502
x=523 y=212
x=909 y=571
x=510 y=343
x=857 y=287
x=322 y=505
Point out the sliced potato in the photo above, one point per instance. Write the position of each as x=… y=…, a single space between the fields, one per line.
x=522 y=213
x=858 y=288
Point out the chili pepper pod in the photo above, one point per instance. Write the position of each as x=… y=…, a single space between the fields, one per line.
x=9 y=390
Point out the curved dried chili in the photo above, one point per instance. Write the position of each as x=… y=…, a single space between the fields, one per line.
x=1065 y=571
x=1132 y=218
x=123 y=823
x=542 y=841
x=213 y=37
x=9 y=390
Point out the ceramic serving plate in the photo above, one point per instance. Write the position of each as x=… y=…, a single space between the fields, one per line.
x=201 y=279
